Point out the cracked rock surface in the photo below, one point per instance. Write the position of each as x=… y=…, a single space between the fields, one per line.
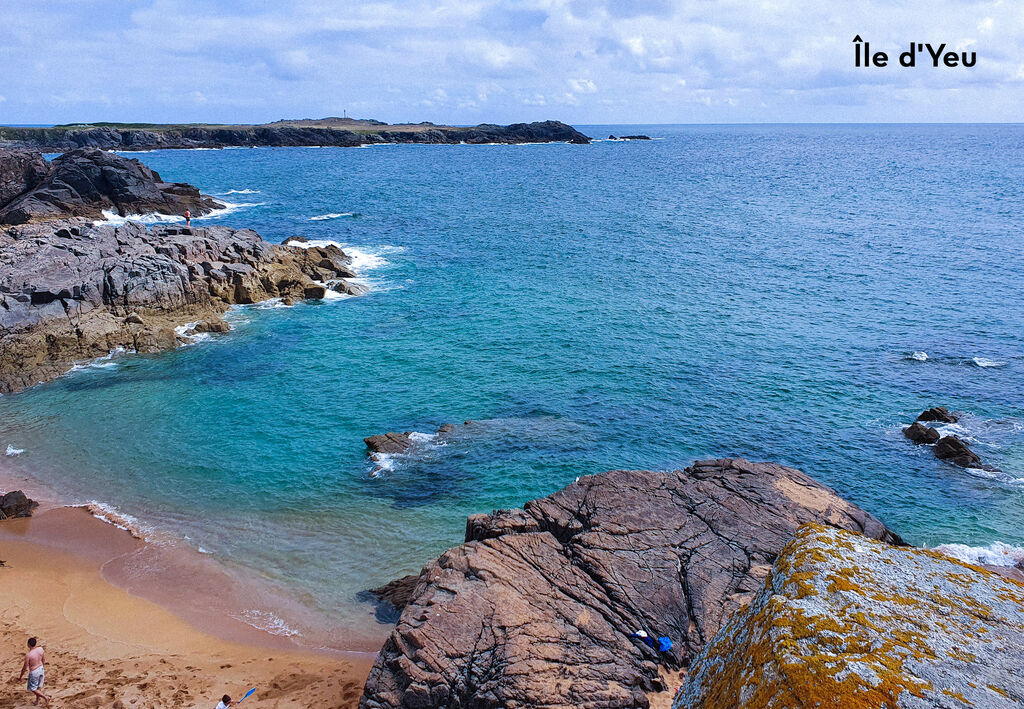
x=73 y=291
x=536 y=609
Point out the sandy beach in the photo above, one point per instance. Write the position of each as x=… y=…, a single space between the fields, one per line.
x=107 y=647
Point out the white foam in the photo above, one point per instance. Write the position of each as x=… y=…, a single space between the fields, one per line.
x=919 y=356
x=995 y=554
x=986 y=362
x=11 y=450
x=194 y=338
x=114 y=516
x=228 y=208
x=332 y=215
x=239 y=192
x=112 y=217
x=266 y=621
x=105 y=362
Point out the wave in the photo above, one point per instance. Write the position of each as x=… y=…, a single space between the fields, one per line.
x=995 y=554
x=918 y=356
x=986 y=362
x=267 y=622
x=114 y=516
x=332 y=215
x=246 y=191
x=11 y=450
x=112 y=217
x=105 y=362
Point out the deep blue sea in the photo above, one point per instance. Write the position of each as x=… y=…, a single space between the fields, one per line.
x=783 y=293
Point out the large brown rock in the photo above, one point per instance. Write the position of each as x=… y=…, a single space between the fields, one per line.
x=84 y=182
x=16 y=504
x=938 y=413
x=957 y=452
x=844 y=621
x=537 y=610
x=919 y=433
x=72 y=291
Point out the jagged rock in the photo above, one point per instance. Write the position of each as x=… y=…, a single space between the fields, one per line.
x=349 y=287
x=71 y=291
x=398 y=592
x=84 y=182
x=218 y=326
x=956 y=451
x=389 y=442
x=538 y=610
x=20 y=171
x=845 y=621
x=919 y=433
x=16 y=504
x=288 y=300
x=295 y=240
x=938 y=413
x=398 y=442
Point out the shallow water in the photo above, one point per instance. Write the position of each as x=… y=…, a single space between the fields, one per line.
x=786 y=293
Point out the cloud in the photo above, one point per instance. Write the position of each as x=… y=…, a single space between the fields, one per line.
x=582 y=86
x=502 y=60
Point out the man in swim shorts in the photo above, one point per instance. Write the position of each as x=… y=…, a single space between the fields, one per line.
x=188 y=218
x=33 y=664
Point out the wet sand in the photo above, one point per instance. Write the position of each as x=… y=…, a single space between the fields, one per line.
x=108 y=647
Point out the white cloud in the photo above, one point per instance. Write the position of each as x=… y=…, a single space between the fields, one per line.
x=654 y=60
x=582 y=86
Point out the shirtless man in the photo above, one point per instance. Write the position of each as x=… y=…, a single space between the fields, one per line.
x=33 y=664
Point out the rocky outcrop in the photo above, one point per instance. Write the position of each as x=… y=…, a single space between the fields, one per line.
x=20 y=171
x=538 y=607
x=919 y=433
x=392 y=442
x=956 y=451
x=845 y=621
x=74 y=291
x=630 y=137
x=280 y=135
x=85 y=182
x=16 y=504
x=938 y=413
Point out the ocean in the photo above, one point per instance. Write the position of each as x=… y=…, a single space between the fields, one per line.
x=786 y=293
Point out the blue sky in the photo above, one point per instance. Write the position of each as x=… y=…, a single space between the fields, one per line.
x=600 y=61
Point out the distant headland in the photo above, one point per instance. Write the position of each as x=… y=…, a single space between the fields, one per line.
x=334 y=132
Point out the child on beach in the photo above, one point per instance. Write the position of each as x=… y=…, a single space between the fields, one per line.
x=33 y=664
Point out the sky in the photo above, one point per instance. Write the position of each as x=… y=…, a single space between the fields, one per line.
x=472 y=61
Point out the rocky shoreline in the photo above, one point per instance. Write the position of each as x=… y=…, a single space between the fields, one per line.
x=286 y=134
x=73 y=290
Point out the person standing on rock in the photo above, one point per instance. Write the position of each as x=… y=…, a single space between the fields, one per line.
x=188 y=218
x=33 y=664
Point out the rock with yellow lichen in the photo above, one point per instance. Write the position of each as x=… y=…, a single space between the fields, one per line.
x=846 y=621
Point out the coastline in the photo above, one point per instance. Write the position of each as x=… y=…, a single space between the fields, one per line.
x=105 y=644
x=105 y=601
x=232 y=604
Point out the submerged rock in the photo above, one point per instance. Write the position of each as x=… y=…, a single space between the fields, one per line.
x=919 y=433
x=537 y=609
x=84 y=182
x=938 y=413
x=846 y=621
x=16 y=504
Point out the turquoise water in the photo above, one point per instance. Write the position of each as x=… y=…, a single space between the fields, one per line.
x=719 y=291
